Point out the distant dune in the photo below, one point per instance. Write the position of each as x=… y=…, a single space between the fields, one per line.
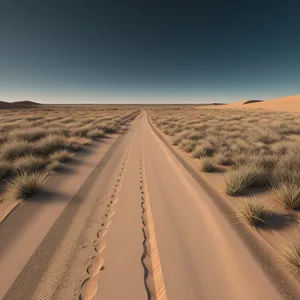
x=289 y=103
x=252 y=101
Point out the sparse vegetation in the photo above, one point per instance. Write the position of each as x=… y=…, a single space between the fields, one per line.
x=38 y=140
x=257 y=152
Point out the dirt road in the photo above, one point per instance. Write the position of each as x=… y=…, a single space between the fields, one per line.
x=142 y=228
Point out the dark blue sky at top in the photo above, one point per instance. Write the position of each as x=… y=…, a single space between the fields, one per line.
x=221 y=49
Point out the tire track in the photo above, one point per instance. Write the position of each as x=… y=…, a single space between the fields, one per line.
x=89 y=286
x=153 y=276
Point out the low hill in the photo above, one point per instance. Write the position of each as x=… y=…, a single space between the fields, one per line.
x=17 y=104
x=25 y=102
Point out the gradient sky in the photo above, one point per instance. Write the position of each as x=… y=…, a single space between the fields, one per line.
x=143 y=50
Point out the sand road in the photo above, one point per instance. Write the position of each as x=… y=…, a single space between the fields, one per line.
x=153 y=233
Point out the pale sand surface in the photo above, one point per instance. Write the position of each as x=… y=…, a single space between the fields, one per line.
x=25 y=229
x=288 y=104
x=199 y=253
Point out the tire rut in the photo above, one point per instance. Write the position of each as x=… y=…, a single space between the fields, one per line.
x=153 y=276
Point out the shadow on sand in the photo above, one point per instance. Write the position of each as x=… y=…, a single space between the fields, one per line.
x=279 y=221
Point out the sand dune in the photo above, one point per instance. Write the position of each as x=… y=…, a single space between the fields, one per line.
x=289 y=103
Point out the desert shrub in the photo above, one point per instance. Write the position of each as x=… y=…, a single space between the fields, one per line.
x=31 y=134
x=95 y=133
x=207 y=164
x=184 y=134
x=281 y=147
x=264 y=161
x=266 y=136
x=287 y=169
x=204 y=150
x=244 y=177
x=195 y=135
x=6 y=168
x=290 y=255
x=29 y=163
x=26 y=184
x=254 y=213
x=224 y=159
x=187 y=145
x=15 y=149
x=77 y=143
x=61 y=156
x=81 y=131
x=108 y=127
x=54 y=166
x=51 y=143
x=288 y=194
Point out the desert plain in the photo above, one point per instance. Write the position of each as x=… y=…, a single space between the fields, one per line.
x=150 y=201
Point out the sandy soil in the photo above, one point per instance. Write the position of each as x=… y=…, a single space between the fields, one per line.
x=140 y=227
x=288 y=104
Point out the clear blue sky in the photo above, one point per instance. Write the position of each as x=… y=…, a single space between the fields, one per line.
x=131 y=51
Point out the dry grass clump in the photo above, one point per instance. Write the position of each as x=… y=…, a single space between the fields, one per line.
x=61 y=156
x=290 y=255
x=26 y=184
x=253 y=212
x=204 y=150
x=6 y=169
x=15 y=149
x=240 y=179
x=50 y=144
x=54 y=165
x=29 y=163
x=224 y=159
x=30 y=135
x=207 y=164
x=289 y=194
x=187 y=145
x=96 y=133
x=77 y=143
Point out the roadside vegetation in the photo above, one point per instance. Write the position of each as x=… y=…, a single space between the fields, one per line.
x=37 y=141
x=255 y=157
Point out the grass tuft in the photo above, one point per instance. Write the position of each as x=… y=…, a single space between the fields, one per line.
x=290 y=255
x=61 y=156
x=51 y=144
x=26 y=184
x=95 y=134
x=30 y=163
x=288 y=194
x=207 y=164
x=15 y=149
x=243 y=177
x=254 y=213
